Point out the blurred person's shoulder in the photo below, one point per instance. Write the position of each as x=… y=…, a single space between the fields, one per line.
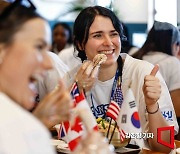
x=133 y=65
x=57 y=62
x=159 y=57
x=69 y=57
x=133 y=50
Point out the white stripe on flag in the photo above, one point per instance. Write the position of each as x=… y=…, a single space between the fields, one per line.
x=111 y=107
x=115 y=104
x=113 y=113
x=122 y=134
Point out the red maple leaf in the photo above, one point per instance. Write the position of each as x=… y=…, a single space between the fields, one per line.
x=77 y=125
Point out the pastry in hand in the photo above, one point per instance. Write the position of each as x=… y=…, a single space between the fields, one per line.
x=99 y=59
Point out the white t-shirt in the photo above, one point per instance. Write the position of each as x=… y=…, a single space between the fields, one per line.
x=68 y=57
x=51 y=77
x=169 y=67
x=20 y=131
x=134 y=72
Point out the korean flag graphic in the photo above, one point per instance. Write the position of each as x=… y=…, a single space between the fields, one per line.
x=128 y=119
x=135 y=120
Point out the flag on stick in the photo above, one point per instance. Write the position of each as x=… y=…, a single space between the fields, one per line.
x=75 y=131
x=112 y=112
x=128 y=119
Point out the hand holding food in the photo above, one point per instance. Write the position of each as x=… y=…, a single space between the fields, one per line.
x=88 y=72
x=55 y=107
x=99 y=59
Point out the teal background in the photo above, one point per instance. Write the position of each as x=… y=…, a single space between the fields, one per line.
x=132 y=28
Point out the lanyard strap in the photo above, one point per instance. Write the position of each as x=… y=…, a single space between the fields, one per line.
x=113 y=87
x=116 y=93
x=114 y=84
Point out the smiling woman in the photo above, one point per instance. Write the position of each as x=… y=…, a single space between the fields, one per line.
x=23 y=57
x=31 y=53
x=97 y=30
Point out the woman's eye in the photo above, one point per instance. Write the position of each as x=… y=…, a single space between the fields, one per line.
x=39 y=47
x=115 y=34
x=97 y=36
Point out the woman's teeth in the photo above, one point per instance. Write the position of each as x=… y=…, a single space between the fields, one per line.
x=33 y=87
x=107 y=52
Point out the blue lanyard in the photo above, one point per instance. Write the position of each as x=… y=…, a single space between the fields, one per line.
x=114 y=84
x=116 y=93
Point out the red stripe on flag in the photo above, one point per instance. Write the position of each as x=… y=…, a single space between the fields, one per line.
x=113 y=110
x=122 y=134
x=109 y=114
x=113 y=103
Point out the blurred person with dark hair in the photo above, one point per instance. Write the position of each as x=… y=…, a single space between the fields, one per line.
x=161 y=47
x=23 y=58
x=61 y=36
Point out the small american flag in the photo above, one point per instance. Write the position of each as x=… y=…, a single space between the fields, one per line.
x=118 y=96
x=122 y=134
x=113 y=110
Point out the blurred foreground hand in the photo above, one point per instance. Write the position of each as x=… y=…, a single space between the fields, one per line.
x=55 y=107
x=94 y=143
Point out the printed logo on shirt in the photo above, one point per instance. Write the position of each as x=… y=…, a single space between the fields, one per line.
x=168 y=115
x=100 y=110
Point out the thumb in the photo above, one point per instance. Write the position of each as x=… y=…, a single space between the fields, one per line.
x=155 y=70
